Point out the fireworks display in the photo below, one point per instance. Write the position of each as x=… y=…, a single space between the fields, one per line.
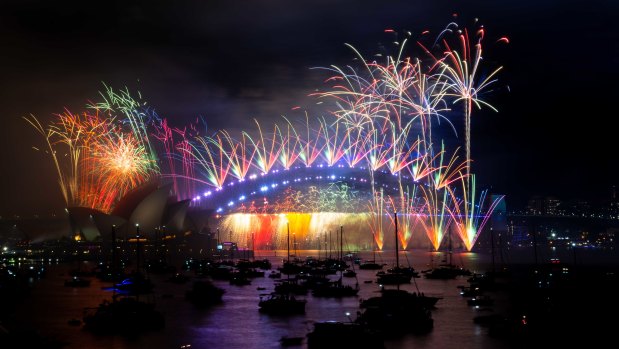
x=96 y=161
x=380 y=149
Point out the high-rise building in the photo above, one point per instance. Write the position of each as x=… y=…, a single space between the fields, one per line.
x=614 y=203
x=550 y=206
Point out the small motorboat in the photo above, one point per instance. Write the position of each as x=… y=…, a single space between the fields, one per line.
x=77 y=281
x=290 y=341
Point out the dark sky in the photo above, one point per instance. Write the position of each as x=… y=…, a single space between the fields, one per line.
x=230 y=61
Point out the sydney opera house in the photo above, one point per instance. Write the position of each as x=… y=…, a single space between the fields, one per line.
x=149 y=210
x=149 y=207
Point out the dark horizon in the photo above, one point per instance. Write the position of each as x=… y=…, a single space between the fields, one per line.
x=231 y=62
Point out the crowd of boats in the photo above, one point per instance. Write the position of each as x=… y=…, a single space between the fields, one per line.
x=393 y=312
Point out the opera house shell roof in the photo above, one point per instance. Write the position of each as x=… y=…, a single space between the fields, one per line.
x=150 y=206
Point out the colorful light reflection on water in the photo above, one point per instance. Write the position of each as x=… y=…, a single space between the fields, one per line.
x=319 y=230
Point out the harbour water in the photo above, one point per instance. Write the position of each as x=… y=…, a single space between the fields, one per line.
x=237 y=323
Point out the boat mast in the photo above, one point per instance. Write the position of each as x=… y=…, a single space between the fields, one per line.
x=492 y=248
x=535 y=243
x=137 y=248
x=330 y=244
x=397 y=259
x=319 y=242
x=288 y=228
x=501 y=251
x=114 y=256
x=374 y=247
x=137 y=266
x=450 y=251
x=341 y=242
x=326 y=246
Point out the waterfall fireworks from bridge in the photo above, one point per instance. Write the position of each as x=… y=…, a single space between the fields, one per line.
x=380 y=149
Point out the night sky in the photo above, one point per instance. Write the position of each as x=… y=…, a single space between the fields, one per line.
x=230 y=61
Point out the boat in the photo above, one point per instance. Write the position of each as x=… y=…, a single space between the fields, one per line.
x=291 y=341
x=81 y=273
x=311 y=281
x=134 y=285
x=74 y=322
x=126 y=315
x=252 y=273
x=397 y=312
x=138 y=283
x=107 y=273
x=349 y=273
x=275 y=275
x=291 y=286
x=112 y=272
x=178 y=278
x=289 y=267
x=204 y=293
x=77 y=281
x=395 y=275
x=447 y=271
x=158 y=266
x=470 y=291
x=370 y=265
x=335 y=289
x=281 y=304
x=335 y=334
x=351 y=256
x=486 y=281
x=480 y=301
x=263 y=264
x=221 y=272
x=239 y=280
x=406 y=271
x=394 y=296
x=393 y=278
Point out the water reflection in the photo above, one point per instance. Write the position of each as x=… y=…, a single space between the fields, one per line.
x=237 y=323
